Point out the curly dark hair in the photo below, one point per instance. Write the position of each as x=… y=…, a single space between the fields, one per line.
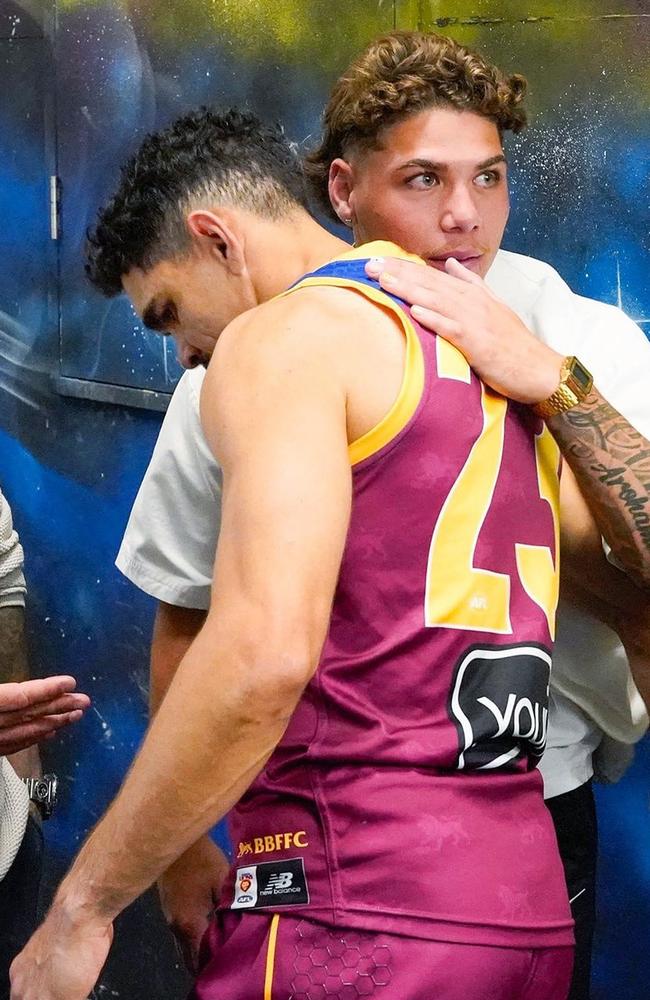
x=231 y=158
x=398 y=75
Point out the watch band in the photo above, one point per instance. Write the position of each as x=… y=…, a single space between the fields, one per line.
x=575 y=385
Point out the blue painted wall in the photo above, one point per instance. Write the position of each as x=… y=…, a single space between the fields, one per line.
x=84 y=90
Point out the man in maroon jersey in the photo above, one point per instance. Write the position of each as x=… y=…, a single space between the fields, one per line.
x=388 y=815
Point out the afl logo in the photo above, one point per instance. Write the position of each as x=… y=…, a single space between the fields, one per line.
x=245 y=882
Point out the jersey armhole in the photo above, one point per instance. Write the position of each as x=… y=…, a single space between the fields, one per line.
x=412 y=386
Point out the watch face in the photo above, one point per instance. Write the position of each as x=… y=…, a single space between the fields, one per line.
x=581 y=375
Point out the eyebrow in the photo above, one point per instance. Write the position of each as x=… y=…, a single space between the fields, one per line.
x=152 y=317
x=440 y=167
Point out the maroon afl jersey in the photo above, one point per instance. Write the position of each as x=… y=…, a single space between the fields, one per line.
x=404 y=795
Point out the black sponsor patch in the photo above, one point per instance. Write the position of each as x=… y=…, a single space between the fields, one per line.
x=272 y=883
x=499 y=704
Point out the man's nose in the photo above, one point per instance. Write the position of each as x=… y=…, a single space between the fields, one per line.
x=460 y=213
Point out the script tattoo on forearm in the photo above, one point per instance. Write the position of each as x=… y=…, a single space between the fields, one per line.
x=13 y=648
x=611 y=461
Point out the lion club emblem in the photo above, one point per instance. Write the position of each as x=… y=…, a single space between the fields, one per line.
x=245 y=882
x=244 y=848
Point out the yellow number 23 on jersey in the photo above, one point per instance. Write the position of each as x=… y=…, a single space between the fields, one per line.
x=458 y=594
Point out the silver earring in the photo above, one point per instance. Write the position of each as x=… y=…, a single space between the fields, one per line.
x=347 y=222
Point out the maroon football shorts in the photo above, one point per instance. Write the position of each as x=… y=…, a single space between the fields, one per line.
x=278 y=957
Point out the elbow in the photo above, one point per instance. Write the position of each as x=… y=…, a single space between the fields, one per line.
x=283 y=676
x=276 y=672
x=286 y=660
x=260 y=659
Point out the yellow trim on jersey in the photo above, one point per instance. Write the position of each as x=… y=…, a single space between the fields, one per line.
x=379 y=248
x=451 y=363
x=412 y=386
x=270 y=957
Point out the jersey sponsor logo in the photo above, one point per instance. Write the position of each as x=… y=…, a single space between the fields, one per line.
x=273 y=842
x=499 y=703
x=272 y=883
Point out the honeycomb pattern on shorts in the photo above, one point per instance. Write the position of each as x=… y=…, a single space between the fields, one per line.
x=344 y=965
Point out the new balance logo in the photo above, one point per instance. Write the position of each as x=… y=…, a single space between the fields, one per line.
x=282 y=880
x=272 y=883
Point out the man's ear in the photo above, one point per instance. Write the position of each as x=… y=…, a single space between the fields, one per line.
x=216 y=234
x=340 y=185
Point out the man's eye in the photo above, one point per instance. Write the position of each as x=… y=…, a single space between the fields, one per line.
x=421 y=181
x=488 y=178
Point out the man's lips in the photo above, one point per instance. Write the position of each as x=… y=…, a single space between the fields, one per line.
x=470 y=259
x=460 y=255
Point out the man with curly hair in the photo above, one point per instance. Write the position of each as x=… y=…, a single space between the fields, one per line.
x=400 y=157
x=367 y=703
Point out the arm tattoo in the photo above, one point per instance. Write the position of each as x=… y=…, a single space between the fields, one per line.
x=611 y=461
x=13 y=648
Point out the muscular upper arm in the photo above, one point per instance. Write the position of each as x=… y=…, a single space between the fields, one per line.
x=274 y=412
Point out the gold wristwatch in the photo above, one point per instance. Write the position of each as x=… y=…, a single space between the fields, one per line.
x=575 y=385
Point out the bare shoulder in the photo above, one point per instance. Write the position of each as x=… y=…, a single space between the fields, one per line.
x=313 y=322
x=276 y=356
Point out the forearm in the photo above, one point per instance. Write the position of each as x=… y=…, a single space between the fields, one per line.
x=611 y=461
x=13 y=646
x=175 y=629
x=186 y=777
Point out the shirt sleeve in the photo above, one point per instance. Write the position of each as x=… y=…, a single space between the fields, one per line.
x=12 y=580
x=170 y=540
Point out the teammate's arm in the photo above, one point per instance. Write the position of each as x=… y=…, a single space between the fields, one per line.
x=590 y=581
x=190 y=886
x=174 y=630
x=610 y=459
x=274 y=410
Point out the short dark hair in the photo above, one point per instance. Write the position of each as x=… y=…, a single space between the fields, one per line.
x=401 y=74
x=231 y=158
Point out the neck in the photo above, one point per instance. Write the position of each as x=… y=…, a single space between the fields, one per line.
x=282 y=252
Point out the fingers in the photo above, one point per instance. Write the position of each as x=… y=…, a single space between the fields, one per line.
x=404 y=270
x=28 y=693
x=435 y=300
x=62 y=704
x=458 y=270
x=422 y=286
x=24 y=735
x=437 y=323
x=455 y=269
